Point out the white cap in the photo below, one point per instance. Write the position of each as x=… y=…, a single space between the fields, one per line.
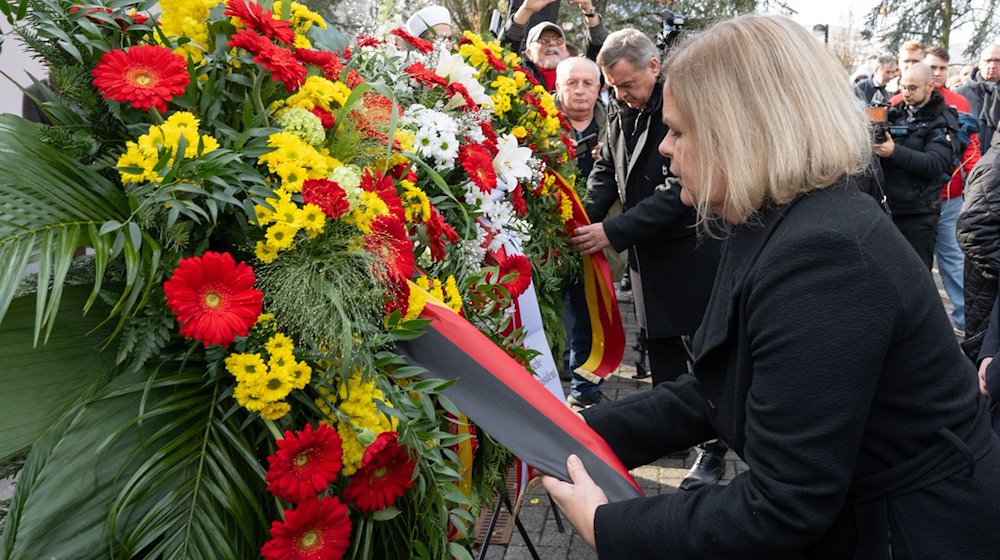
x=426 y=18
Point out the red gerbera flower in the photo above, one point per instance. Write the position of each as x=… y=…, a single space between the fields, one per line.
x=494 y=61
x=305 y=464
x=249 y=41
x=213 y=298
x=417 y=43
x=283 y=65
x=397 y=298
x=315 y=530
x=255 y=17
x=326 y=194
x=366 y=41
x=327 y=62
x=456 y=88
x=491 y=136
x=529 y=76
x=391 y=247
x=520 y=267
x=425 y=76
x=478 y=163
x=146 y=76
x=385 y=474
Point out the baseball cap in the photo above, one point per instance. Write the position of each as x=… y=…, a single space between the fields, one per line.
x=535 y=31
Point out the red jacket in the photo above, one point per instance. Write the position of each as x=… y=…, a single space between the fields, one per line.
x=953 y=189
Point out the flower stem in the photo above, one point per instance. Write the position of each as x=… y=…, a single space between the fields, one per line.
x=258 y=103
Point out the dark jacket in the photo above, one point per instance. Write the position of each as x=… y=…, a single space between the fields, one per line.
x=984 y=102
x=676 y=266
x=978 y=231
x=866 y=90
x=825 y=360
x=514 y=35
x=922 y=158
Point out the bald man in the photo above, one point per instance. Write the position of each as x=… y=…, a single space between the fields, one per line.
x=916 y=157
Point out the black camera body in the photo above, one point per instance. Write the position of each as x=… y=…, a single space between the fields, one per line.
x=673 y=27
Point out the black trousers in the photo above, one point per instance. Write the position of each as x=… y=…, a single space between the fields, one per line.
x=669 y=358
x=920 y=230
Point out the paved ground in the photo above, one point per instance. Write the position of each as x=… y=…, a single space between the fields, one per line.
x=661 y=477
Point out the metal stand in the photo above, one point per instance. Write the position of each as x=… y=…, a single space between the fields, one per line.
x=504 y=500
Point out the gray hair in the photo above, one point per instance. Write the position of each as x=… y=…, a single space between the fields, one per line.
x=630 y=45
x=885 y=60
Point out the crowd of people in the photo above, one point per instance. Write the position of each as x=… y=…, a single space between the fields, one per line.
x=780 y=257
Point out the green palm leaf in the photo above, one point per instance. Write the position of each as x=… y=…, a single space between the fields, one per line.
x=50 y=205
x=150 y=467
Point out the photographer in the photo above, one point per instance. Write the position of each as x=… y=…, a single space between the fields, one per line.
x=544 y=45
x=916 y=156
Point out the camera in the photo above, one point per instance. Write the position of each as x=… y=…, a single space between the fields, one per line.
x=673 y=27
x=878 y=118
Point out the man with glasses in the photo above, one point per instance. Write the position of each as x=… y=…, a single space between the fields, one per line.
x=984 y=100
x=544 y=45
x=916 y=156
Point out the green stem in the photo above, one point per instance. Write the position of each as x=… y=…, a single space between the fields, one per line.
x=258 y=103
x=155 y=114
x=273 y=428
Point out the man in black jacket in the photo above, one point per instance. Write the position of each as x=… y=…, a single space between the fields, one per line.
x=672 y=269
x=917 y=160
x=872 y=90
x=980 y=90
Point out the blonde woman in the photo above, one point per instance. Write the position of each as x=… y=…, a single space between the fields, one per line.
x=825 y=358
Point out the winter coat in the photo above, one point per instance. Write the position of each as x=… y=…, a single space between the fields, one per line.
x=676 y=266
x=984 y=103
x=826 y=361
x=916 y=170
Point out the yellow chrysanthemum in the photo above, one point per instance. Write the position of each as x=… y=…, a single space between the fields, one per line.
x=280 y=235
x=275 y=410
x=519 y=132
x=249 y=397
x=134 y=158
x=288 y=213
x=276 y=385
x=264 y=214
x=415 y=203
x=279 y=343
x=414 y=305
x=453 y=298
x=565 y=209
x=245 y=367
x=520 y=79
x=281 y=360
x=313 y=220
x=300 y=374
x=265 y=253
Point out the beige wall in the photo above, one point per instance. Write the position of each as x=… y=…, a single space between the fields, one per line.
x=17 y=64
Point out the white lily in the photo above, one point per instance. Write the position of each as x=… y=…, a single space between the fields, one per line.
x=511 y=162
x=454 y=69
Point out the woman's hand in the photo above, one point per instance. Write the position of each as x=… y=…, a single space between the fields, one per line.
x=578 y=500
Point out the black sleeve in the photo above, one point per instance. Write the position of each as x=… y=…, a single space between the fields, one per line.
x=930 y=163
x=647 y=219
x=602 y=185
x=806 y=410
x=991 y=340
x=978 y=227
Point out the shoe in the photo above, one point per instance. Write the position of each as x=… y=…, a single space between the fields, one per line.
x=590 y=399
x=640 y=371
x=626 y=283
x=707 y=470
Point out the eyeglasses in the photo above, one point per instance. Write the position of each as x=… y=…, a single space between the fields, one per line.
x=546 y=41
x=911 y=88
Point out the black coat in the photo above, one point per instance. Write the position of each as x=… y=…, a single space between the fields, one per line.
x=984 y=103
x=978 y=231
x=676 y=266
x=825 y=360
x=922 y=159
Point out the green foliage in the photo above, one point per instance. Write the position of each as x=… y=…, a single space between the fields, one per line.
x=182 y=477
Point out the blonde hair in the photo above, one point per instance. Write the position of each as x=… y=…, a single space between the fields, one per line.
x=769 y=112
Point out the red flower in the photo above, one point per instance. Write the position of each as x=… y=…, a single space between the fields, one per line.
x=518 y=202
x=425 y=76
x=326 y=194
x=438 y=231
x=249 y=41
x=146 y=76
x=327 y=62
x=494 y=61
x=325 y=117
x=255 y=17
x=305 y=464
x=397 y=298
x=478 y=163
x=383 y=186
x=391 y=247
x=353 y=79
x=213 y=298
x=315 y=530
x=520 y=267
x=366 y=41
x=283 y=65
x=456 y=88
x=385 y=474
x=491 y=136
x=417 y=43
x=528 y=75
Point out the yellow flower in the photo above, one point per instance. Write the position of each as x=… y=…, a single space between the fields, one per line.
x=313 y=220
x=565 y=209
x=281 y=360
x=265 y=215
x=276 y=385
x=415 y=203
x=279 y=343
x=133 y=157
x=300 y=374
x=286 y=212
x=265 y=253
x=519 y=132
x=280 y=235
x=453 y=298
x=245 y=367
x=275 y=410
x=249 y=397
x=414 y=305
x=302 y=42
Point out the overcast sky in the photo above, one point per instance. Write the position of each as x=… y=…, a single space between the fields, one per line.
x=811 y=12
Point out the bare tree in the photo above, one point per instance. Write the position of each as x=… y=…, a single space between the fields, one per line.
x=931 y=21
